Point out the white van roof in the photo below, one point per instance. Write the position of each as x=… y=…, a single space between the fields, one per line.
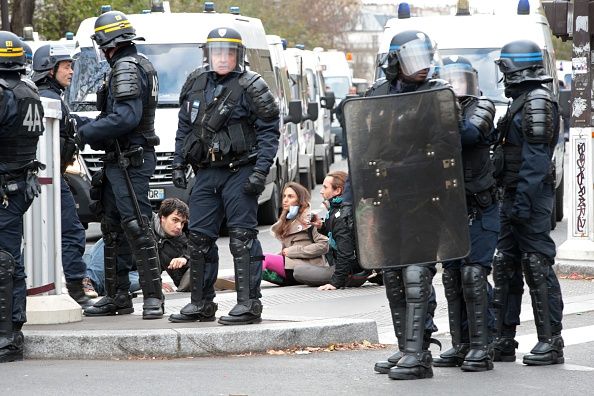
x=334 y=63
x=461 y=31
x=163 y=28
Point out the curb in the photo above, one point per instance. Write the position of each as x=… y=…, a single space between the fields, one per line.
x=186 y=342
x=569 y=267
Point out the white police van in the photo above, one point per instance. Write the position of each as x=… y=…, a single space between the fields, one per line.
x=479 y=38
x=173 y=44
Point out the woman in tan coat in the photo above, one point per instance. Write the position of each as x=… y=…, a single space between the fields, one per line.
x=302 y=245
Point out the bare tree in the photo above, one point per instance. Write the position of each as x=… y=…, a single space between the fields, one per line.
x=22 y=15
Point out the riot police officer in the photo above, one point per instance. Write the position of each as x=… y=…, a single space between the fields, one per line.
x=527 y=137
x=125 y=130
x=228 y=131
x=465 y=281
x=52 y=66
x=21 y=124
x=409 y=290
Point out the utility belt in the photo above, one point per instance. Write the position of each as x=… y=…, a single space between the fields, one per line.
x=134 y=154
x=232 y=162
x=483 y=199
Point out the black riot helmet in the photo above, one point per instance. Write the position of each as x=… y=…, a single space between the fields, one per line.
x=113 y=28
x=47 y=58
x=410 y=52
x=522 y=61
x=12 y=53
x=458 y=71
x=225 y=41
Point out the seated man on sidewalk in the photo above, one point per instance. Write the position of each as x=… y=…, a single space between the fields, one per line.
x=172 y=243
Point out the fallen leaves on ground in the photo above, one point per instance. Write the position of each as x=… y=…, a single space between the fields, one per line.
x=352 y=346
x=576 y=276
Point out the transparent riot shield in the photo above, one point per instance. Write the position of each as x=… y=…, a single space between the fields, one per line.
x=406 y=173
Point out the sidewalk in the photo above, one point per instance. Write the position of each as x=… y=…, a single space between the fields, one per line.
x=292 y=317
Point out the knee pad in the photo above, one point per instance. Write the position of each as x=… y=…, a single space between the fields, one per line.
x=394 y=286
x=452 y=283
x=139 y=235
x=111 y=233
x=7 y=264
x=241 y=241
x=417 y=283
x=536 y=269
x=203 y=243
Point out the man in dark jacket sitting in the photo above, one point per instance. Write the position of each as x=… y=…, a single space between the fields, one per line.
x=169 y=227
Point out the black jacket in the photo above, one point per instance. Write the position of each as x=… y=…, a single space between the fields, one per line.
x=170 y=248
x=339 y=228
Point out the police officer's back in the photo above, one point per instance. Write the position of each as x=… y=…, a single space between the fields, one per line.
x=125 y=130
x=228 y=132
x=21 y=124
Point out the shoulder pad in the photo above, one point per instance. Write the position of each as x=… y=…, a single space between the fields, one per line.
x=192 y=77
x=378 y=84
x=537 y=118
x=482 y=115
x=30 y=84
x=3 y=83
x=125 y=82
x=257 y=89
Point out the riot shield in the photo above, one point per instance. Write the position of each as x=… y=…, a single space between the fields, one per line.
x=407 y=178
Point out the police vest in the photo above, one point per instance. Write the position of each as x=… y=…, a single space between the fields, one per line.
x=146 y=126
x=18 y=143
x=226 y=140
x=476 y=161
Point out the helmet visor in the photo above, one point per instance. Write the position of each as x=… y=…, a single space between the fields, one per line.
x=415 y=56
x=463 y=78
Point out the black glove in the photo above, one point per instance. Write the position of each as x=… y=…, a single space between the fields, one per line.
x=179 y=177
x=256 y=183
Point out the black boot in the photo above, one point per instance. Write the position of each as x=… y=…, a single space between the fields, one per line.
x=247 y=260
x=121 y=304
x=474 y=283
x=76 y=291
x=549 y=349
x=397 y=300
x=144 y=248
x=453 y=357
x=198 y=309
x=11 y=336
x=417 y=361
x=504 y=349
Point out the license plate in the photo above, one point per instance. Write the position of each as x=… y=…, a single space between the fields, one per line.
x=156 y=194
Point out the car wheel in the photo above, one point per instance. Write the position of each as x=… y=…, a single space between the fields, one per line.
x=268 y=212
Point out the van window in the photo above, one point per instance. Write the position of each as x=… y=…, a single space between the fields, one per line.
x=338 y=85
x=312 y=88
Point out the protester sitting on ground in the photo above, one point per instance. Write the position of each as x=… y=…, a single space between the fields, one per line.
x=344 y=270
x=169 y=227
x=302 y=245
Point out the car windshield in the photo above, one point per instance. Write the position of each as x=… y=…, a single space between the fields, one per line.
x=173 y=63
x=339 y=85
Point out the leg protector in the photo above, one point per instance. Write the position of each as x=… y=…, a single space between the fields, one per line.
x=452 y=283
x=247 y=260
x=111 y=238
x=474 y=283
x=416 y=362
x=144 y=248
x=397 y=300
x=6 y=272
x=549 y=349
x=198 y=309
x=504 y=346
